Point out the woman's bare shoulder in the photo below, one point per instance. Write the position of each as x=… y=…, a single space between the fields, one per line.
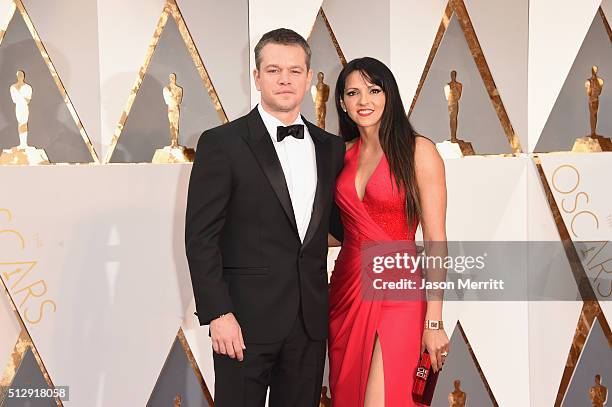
x=424 y=146
x=423 y=141
x=426 y=156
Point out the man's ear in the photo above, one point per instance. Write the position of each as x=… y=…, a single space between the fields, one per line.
x=256 y=78
x=309 y=77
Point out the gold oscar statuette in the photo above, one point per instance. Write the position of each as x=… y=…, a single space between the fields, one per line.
x=174 y=153
x=593 y=142
x=455 y=147
x=320 y=96
x=23 y=154
x=325 y=401
x=457 y=397
x=598 y=393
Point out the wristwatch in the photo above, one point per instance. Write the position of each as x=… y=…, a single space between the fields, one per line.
x=432 y=324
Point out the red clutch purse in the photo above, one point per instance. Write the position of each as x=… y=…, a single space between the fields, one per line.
x=424 y=381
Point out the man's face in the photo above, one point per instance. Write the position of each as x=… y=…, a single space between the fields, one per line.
x=282 y=77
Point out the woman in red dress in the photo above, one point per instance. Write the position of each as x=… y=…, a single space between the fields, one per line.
x=391 y=181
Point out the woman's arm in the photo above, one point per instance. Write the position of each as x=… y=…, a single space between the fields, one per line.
x=431 y=180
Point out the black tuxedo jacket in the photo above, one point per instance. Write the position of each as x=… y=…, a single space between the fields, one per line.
x=244 y=252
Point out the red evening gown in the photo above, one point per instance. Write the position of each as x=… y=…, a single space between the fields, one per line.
x=354 y=320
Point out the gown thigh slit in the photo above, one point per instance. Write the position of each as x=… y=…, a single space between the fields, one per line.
x=372 y=362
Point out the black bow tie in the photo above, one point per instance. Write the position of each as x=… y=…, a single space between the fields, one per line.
x=295 y=130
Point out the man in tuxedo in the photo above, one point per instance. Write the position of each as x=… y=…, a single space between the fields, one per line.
x=260 y=197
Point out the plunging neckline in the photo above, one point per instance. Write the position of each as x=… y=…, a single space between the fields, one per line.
x=365 y=188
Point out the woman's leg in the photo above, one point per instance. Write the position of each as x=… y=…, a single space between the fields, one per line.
x=375 y=389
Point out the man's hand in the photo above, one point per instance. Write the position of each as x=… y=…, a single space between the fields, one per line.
x=227 y=337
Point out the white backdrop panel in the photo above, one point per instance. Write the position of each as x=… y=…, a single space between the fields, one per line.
x=7 y=8
x=75 y=57
x=580 y=186
x=125 y=30
x=486 y=198
x=556 y=31
x=362 y=27
x=487 y=201
x=106 y=295
x=412 y=32
x=501 y=27
x=606 y=6
x=224 y=47
x=548 y=319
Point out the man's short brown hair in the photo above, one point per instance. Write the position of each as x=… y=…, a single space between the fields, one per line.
x=282 y=36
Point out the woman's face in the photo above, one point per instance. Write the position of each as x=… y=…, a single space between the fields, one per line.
x=364 y=101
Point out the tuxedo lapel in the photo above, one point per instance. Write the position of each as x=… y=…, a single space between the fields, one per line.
x=261 y=144
x=323 y=154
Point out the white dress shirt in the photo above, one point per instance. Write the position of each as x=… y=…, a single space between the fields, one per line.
x=298 y=160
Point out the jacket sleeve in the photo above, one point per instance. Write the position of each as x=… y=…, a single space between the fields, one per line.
x=210 y=188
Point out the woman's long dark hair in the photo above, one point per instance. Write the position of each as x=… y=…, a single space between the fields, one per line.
x=397 y=137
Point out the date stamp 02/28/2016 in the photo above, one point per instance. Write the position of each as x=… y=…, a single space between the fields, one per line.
x=61 y=392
